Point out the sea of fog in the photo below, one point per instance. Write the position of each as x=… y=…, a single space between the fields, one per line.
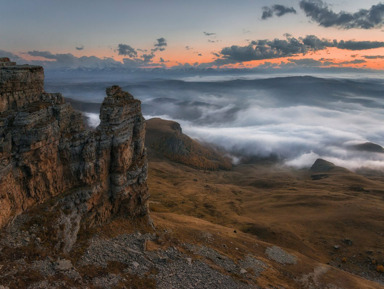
x=295 y=117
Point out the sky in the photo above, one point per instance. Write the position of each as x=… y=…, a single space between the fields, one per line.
x=179 y=33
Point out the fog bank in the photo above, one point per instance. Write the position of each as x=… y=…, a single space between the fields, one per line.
x=296 y=118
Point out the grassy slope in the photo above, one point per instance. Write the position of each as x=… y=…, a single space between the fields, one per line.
x=284 y=207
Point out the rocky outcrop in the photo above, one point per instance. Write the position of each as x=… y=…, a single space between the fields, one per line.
x=321 y=165
x=166 y=139
x=46 y=152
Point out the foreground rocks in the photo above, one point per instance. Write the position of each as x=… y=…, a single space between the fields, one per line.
x=46 y=153
x=127 y=260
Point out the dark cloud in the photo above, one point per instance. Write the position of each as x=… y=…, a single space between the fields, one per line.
x=327 y=62
x=147 y=57
x=127 y=50
x=291 y=46
x=188 y=47
x=160 y=44
x=80 y=47
x=356 y=61
x=359 y=45
x=49 y=55
x=199 y=54
x=373 y=56
x=267 y=13
x=307 y=62
x=266 y=49
x=268 y=65
x=323 y=62
x=315 y=43
x=278 y=10
x=320 y=13
x=212 y=38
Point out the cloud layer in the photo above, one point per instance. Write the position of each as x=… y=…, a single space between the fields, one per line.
x=262 y=49
x=297 y=119
x=136 y=60
x=319 y=12
x=291 y=46
x=160 y=44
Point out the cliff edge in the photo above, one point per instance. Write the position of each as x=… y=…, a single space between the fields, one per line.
x=46 y=151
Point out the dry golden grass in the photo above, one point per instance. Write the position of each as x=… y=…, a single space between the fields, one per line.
x=281 y=206
x=237 y=245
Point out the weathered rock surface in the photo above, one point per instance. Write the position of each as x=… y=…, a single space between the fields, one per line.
x=321 y=165
x=166 y=139
x=46 y=151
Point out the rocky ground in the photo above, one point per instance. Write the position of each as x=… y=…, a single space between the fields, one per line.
x=128 y=260
x=179 y=252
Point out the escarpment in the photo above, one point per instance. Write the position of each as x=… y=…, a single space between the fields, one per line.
x=46 y=152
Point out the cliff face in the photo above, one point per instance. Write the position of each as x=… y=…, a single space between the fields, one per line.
x=45 y=151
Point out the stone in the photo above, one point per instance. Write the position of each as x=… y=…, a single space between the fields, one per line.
x=63 y=265
x=279 y=255
x=348 y=242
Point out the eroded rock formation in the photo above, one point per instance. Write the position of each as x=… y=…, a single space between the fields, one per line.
x=46 y=151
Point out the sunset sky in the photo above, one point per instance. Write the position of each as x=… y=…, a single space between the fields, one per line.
x=209 y=33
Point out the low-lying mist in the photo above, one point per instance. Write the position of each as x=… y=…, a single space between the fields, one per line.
x=296 y=118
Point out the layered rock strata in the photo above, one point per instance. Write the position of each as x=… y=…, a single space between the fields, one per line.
x=46 y=152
